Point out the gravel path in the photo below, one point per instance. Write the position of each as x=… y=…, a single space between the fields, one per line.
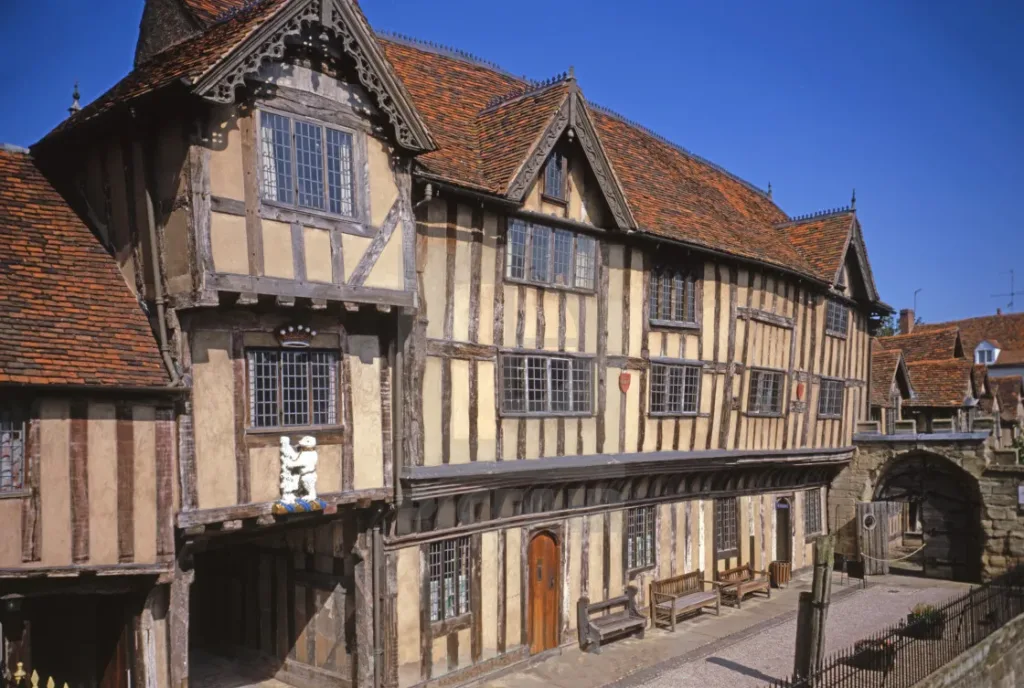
x=769 y=655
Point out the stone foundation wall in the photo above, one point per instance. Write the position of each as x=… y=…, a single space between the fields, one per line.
x=1002 y=522
x=996 y=662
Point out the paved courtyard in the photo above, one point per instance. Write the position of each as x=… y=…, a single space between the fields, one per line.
x=742 y=648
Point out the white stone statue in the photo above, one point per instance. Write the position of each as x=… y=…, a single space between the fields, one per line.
x=298 y=470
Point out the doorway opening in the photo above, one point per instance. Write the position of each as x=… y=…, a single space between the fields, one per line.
x=545 y=573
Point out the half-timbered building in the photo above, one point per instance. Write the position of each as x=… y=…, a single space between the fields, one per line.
x=543 y=352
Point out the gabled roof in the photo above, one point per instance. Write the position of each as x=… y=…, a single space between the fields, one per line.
x=66 y=315
x=206 y=12
x=928 y=345
x=822 y=239
x=1007 y=329
x=212 y=62
x=888 y=365
x=940 y=383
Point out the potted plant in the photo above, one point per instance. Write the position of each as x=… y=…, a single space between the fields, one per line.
x=925 y=621
x=879 y=655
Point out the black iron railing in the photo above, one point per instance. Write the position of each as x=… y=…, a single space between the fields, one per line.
x=905 y=653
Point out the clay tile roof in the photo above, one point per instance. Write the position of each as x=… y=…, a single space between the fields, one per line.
x=187 y=60
x=66 y=314
x=1006 y=330
x=509 y=130
x=207 y=11
x=884 y=364
x=822 y=240
x=928 y=345
x=1010 y=391
x=940 y=383
x=679 y=196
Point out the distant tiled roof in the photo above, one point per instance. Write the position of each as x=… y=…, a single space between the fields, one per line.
x=1010 y=391
x=822 y=239
x=940 y=383
x=1006 y=329
x=884 y=364
x=927 y=345
x=205 y=12
x=66 y=314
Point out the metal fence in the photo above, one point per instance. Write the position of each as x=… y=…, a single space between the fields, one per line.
x=907 y=652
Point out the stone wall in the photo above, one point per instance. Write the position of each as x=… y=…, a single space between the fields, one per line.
x=1002 y=522
x=996 y=662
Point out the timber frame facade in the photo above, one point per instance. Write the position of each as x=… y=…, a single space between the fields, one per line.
x=528 y=336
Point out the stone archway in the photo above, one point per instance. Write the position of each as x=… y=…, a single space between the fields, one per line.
x=946 y=503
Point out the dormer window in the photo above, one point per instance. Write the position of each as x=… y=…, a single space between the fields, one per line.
x=306 y=165
x=554 y=176
x=985 y=354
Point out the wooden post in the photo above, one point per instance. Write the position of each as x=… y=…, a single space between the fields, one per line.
x=184 y=574
x=813 y=611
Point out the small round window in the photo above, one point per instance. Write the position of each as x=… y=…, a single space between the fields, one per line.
x=869 y=521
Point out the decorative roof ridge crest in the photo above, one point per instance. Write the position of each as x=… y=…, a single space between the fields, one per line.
x=532 y=88
x=233 y=12
x=14 y=148
x=685 y=151
x=446 y=51
x=818 y=214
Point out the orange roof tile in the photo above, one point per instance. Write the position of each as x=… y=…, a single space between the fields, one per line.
x=929 y=345
x=1010 y=391
x=940 y=383
x=1006 y=330
x=822 y=240
x=884 y=364
x=66 y=314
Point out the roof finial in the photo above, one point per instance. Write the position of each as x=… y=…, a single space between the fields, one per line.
x=75 y=105
x=769 y=189
x=572 y=72
x=853 y=200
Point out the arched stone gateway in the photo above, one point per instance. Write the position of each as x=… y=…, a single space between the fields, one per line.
x=943 y=508
x=960 y=496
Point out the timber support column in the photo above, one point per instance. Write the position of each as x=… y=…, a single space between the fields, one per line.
x=181 y=585
x=365 y=605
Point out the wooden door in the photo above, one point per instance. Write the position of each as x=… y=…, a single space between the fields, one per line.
x=873 y=536
x=783 y=530
x=545 y=583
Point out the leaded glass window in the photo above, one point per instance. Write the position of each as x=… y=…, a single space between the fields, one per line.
x=726 y=526
x=830 y=398
x=640 y=537
x=543 y=255
x=554 y=176
x=765 y=392
x=836 y=318
x=673 y=297
x=306 y=165
x=540 y=384
x=674 y=388
x=12 y=451
x=448 y=571
x=292 y=388
x=812 y=512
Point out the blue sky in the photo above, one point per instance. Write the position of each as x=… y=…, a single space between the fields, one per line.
x=919 y=105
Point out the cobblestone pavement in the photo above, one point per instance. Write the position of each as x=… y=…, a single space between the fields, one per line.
x=741 y=648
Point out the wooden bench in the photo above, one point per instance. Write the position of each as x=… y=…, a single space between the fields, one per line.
x=593 y=629
x=740 y=581
x=681 y=594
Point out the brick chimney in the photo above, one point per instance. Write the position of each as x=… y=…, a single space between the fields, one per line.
x=999 y=311
x=906 y=321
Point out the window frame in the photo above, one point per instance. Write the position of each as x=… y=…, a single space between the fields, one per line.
x=690 y=279
x=640 y=522
x=670 y=364
x=334 y=390
x=572 y=358
x=360 y=195
x=782 y=392
x=528 y=257
x=562 y=197
x=831 y=381
x=16 y=421
x=734 y=551
x=462 y=549
x=809 y=533
x=830 y=305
